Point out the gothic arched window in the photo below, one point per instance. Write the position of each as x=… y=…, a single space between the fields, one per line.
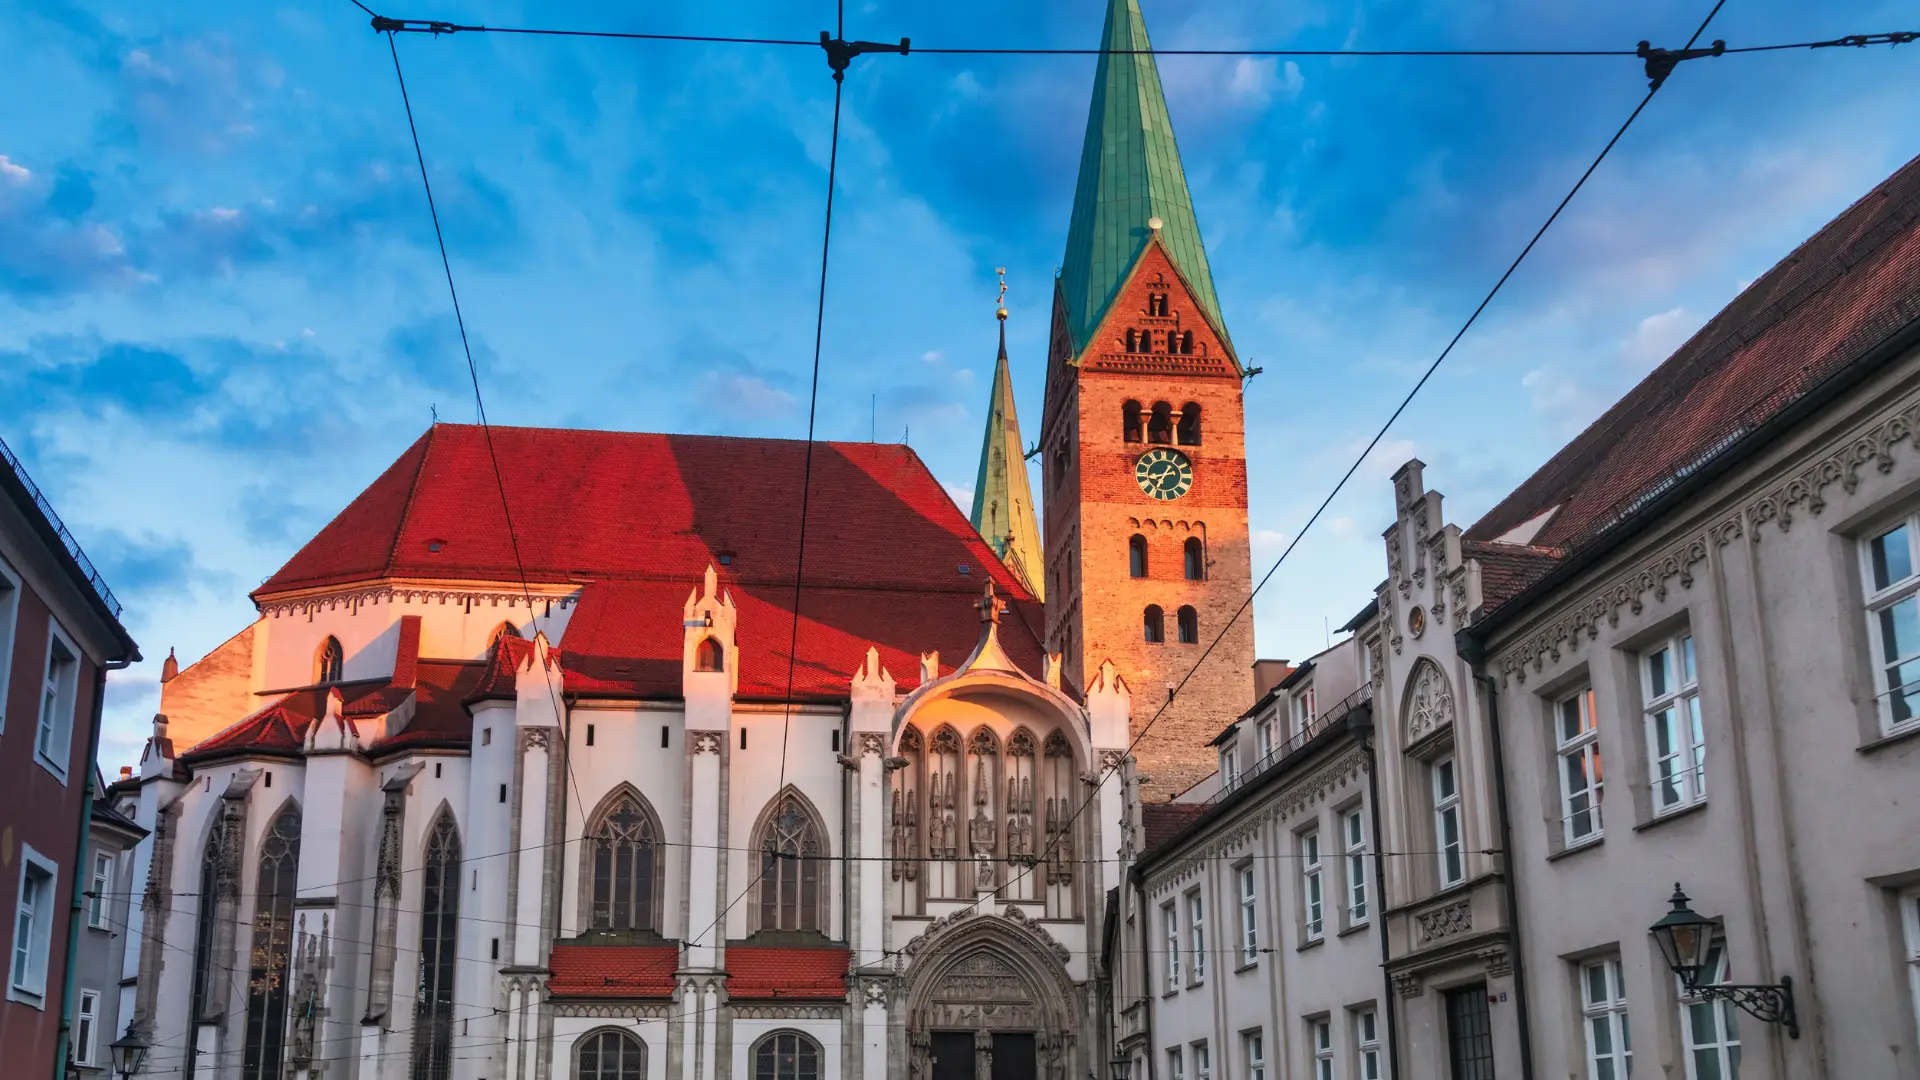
x=267 y=974
x=623 y=847
x=786 y=1055
x=219 y=864
x=329 y=662
x=792 y=887
x=1196 y=559
x=1155 y=625
x=1188 y=622
x=1190 y=424
x=504 y=630
x=1136 y=556
x=439 y=923
x=709 y=656
x=1160 y=426
x=610 y=1055
x=1130 y=420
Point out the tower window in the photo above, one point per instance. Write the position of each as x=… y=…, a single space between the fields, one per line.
x=1196 y=559
x=1157 y=305
x=1059 y=465
x=708 y=656
x=1188 y=622
x=1160 y=425
x=1155 y=625
x=1190 y=424
x=328 y=663
x=1133 y=340
x=1130 y=419
x=1136 y=556
x=1186 y=343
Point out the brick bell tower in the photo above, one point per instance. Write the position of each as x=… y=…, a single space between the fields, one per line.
x=1146 y=554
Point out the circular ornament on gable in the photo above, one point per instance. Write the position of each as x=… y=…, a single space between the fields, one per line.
x=1163 y=474
x=1417 y=621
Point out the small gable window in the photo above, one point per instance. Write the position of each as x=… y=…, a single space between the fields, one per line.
x=329 y=663
x=1160 y=426
x=1130 y=420
x=1190 y=424
x=1155 y=625
x=709 y=656
x=1189 y=626
x=1196 y=559
x=1186 y=343
x=1136 y=556
x=1157 y=305
x=1133 y=340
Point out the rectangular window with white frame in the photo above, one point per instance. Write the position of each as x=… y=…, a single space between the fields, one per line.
x=1366 y=1044
x=60 y=685
x=1910 y=917
x=102 y=887
x=9 y=622
x=1303 y=710
x=1709 y=1027
x=32 y=928
x=1249 y=916
x=1202 y=1061
x=1255 y=1046
x=1197 y=934
x=1577 y=744
x=1320 y=1040
x=1892 y=588
x=1353 y=837
x=1170 y=919
x=86 y=1026
x=1266 y=734
x=1603 y=1009
x=1229 y=766
x=1312 y=885
x=1676 y=740
x=1449 y=847
x=1176 y=1064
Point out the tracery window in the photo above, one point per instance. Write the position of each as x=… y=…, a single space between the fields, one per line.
x=791 y=893
x=610 y=1055
x=1130 y=414
x=786 y=1055
x=709 y=656
x=1190 y=412
x=206 y=992
x=624 y=849
x=1136 y=556
x=1160 y=424
x=272 y=940
x=329 y=663
x=439 y=923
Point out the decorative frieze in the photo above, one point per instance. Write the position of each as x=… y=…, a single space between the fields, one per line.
x=1407 y=984
x=1581 y=620
x=1839 y=464
x=1430 y=708
x=608 y=1010
x=1445 y=921
x=355 y=598
x=706 y=742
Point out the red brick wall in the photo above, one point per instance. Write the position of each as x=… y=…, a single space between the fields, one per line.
x=1098 y=506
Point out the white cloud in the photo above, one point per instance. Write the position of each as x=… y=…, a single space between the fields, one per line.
x=16 y=173
x=1656 y=337
x=746 y=395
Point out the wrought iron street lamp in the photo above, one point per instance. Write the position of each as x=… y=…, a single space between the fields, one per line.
x=129 y=1052
x=1122 y=1065
x=1685 y=938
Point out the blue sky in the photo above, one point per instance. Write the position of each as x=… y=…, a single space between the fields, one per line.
x=221 y=313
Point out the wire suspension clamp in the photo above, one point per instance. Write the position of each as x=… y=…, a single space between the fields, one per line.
x=384 y=25
x=1861 y=41
x=840 y=51
x=1661 y=62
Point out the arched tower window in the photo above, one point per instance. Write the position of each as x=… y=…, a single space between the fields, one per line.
x=1133 y=340
x=1190 y=424
x=1186 y=343
x=793 y=893
x=709 y=656
x=610 y=1055
x=1130 y=419
x=1196 y=559
x=623 y=845
x=267 y=975
x=1160 y=427
x=1188 y=622
x=786 y=1055
x=439 y=925
x=329 y=662
x=1136 y=556
x=1155 y=625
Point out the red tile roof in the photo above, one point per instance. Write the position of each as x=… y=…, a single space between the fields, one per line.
x=1164 y=821
x=787 y=974
x=1832 y=301
x=440 y=716
x=1507 y=569
x=612 y=971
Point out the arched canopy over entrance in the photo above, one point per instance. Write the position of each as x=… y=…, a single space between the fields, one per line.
x=999 y=980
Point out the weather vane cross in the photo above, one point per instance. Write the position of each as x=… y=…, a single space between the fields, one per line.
x=1001 y=300
x=990 y=605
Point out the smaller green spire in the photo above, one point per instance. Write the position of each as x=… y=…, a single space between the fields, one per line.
x=1002 y=499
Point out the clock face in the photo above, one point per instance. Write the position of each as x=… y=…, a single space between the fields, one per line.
x=1164 y=474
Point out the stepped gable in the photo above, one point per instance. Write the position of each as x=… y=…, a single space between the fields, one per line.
x=1830 y=303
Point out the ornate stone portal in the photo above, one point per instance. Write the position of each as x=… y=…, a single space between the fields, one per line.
x=992 y=975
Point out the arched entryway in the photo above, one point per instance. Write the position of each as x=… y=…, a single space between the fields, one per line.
x=988 y=998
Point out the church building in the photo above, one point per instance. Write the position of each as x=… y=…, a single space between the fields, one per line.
x=593 y=773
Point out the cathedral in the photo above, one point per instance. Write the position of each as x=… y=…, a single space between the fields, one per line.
x=598 y=775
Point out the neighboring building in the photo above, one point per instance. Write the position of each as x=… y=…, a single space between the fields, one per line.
x=1254 y=907
x=103 y=983
x=59 y=634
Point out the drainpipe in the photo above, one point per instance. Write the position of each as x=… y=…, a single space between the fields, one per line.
x=63 y=1048
x=1146 y=960
x=1389 y=1007
x=1473 y=652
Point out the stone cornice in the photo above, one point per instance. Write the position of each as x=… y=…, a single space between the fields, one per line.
x=1233 y=837
x=469 y=595
x=1581 y=619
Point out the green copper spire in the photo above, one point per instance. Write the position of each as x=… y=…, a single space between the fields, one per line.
x=1002 y=500
x=1129 y=173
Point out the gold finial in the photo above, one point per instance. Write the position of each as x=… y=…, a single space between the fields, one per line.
x=1002 y=298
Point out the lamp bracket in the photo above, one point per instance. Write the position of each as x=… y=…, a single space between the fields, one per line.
x=1769 y=1003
